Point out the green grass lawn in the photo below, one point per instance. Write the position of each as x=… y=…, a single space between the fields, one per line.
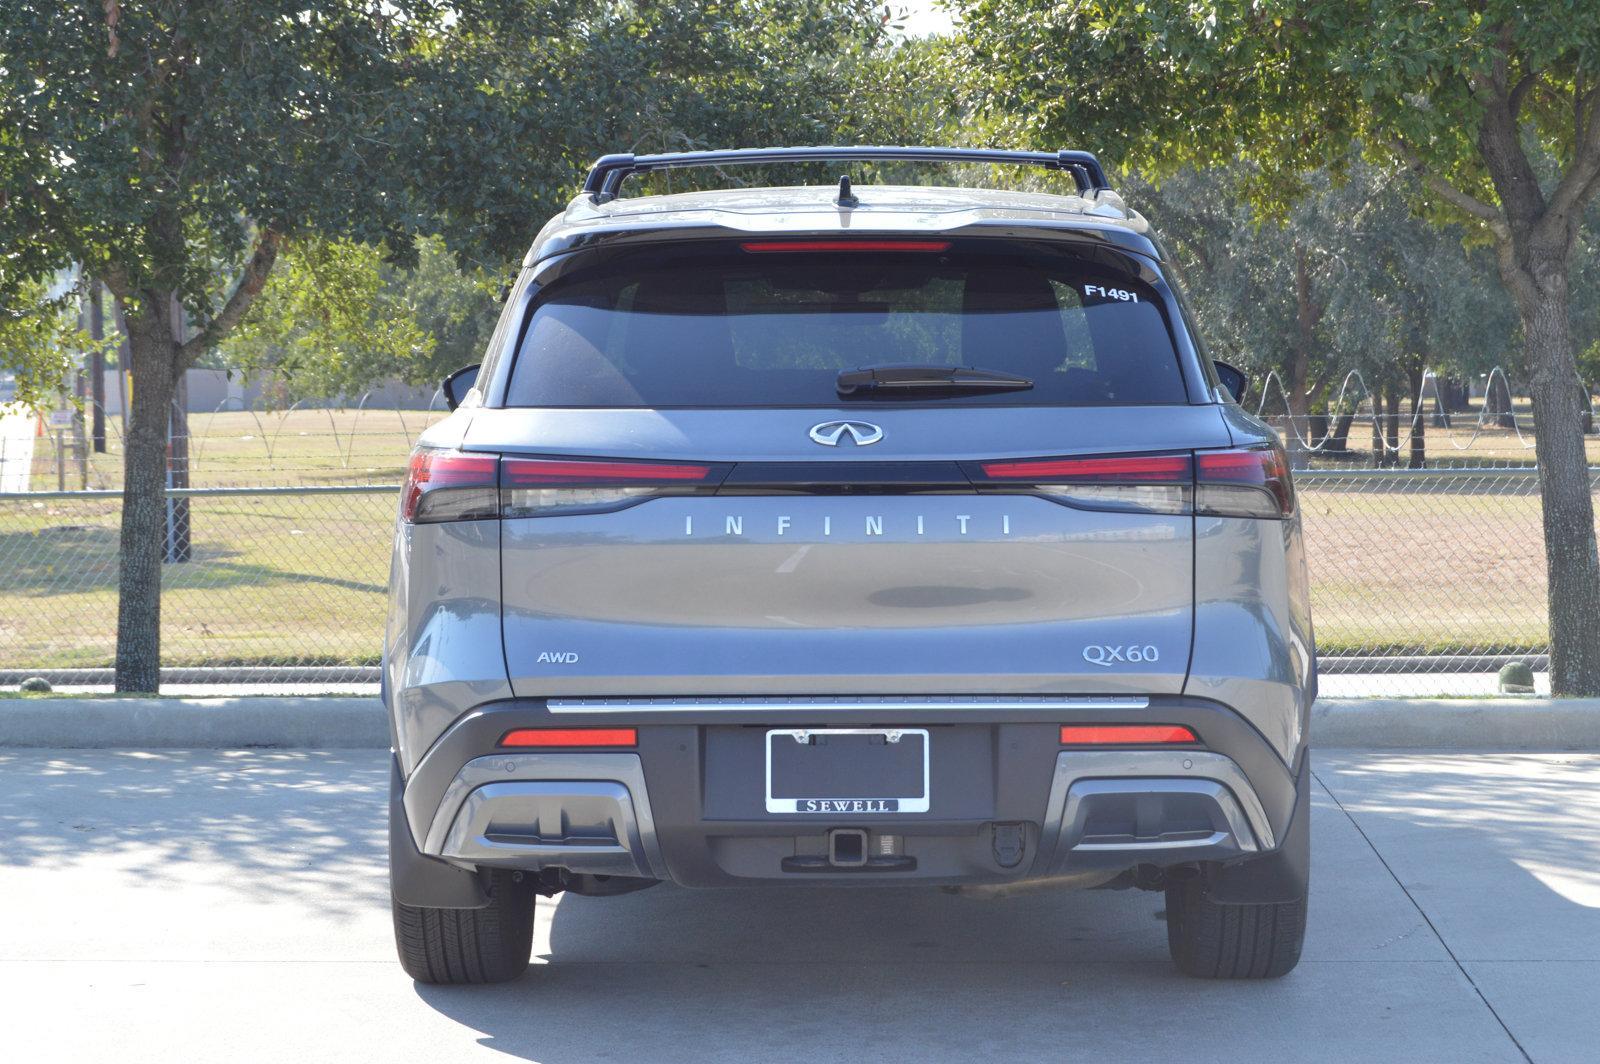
x=291 y=580
x=1425 y=572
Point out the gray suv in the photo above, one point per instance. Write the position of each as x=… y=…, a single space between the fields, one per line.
x=838 y=537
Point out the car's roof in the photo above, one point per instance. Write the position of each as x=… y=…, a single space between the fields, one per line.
x=814 y=209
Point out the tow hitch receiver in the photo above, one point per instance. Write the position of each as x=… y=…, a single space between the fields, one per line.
x=852 y=850
x=847 y=847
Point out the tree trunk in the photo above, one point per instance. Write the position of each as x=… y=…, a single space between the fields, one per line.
x=1339 y=439
x=1497 y=400
x=1569 y=536
x=1419 y=425
x=1377 y=427
x=153 y=358
x=1391 y=453
x=1301 y=353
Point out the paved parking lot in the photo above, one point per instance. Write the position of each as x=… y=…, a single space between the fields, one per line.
x=176 y=906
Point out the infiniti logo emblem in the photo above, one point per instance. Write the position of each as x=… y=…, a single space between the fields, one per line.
x=861 y=433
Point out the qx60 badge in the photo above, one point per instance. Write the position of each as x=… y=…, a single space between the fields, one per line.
x=861 y=433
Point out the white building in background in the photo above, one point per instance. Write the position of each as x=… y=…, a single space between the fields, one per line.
x=215 y=389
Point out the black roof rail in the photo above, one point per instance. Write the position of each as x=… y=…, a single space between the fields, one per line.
x=609 y=171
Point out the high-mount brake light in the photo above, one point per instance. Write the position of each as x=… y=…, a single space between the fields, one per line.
x=570 y=738
x=539 y=487
x=1125 y=734
x=768 y=246
x=450 y=486
x=1247 y=482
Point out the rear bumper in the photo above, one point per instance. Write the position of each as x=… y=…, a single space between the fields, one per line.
x=1007 y=803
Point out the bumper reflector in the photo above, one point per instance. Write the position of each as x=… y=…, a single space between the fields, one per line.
x=571 y=738
x=1124 y=734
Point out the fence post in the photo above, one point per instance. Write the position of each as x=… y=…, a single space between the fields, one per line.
x=97 y=375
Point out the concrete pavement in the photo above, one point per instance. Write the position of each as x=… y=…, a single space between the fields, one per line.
x=204 y=905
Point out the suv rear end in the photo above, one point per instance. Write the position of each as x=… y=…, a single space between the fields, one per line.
x=803 y=536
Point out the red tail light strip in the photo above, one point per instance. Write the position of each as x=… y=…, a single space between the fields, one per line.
x=1264 y=469
x=766 y=246
x=570 y=738
x=530 y=472
x=1155 y=468
x=1124 y=734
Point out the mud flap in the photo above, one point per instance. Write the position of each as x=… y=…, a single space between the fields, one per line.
x=418 y=880
x=1279 y=876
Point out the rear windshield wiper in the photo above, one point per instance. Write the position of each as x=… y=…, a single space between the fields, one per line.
x=928 y=380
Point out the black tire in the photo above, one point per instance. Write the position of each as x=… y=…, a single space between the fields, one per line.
x=1213 y=940
x=453 y=946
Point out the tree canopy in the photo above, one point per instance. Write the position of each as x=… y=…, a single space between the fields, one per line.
x=1493 y=106
x=172 y=149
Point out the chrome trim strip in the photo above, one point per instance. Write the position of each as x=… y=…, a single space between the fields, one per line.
x=788 y=705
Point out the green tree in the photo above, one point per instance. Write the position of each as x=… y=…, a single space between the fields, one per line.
x=40 y=340
x=1493 y=104
x=164 y=144
x=331 y=322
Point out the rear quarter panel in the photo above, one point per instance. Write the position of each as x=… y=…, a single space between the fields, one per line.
x=442 y=649
x=1254 y=647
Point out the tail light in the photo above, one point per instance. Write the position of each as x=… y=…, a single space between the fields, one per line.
x=1125 y=734
x=1251 y=482
x=1244 y=482
x=453 y=486
x=450 y=486
x=1144 y=483
x=533 y=487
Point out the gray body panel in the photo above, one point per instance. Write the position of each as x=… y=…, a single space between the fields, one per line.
x=828 y=605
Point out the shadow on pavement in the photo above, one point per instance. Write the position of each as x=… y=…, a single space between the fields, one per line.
x=289 y=825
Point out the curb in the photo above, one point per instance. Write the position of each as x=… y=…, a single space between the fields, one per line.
x=202 y=723
x=344 y=723
x=1457 y=723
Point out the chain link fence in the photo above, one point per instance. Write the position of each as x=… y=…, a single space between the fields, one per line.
x=279 y=583
x=1426 y=571
x=1413 y=571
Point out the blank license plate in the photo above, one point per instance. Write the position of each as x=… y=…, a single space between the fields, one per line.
x=847 y=770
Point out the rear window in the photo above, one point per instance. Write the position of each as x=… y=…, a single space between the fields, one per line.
x=732 y=328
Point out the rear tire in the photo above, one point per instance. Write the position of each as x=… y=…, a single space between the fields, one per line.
x=454 y=946
x=1214 y=940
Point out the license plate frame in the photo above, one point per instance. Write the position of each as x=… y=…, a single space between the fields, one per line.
x=847 y=805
